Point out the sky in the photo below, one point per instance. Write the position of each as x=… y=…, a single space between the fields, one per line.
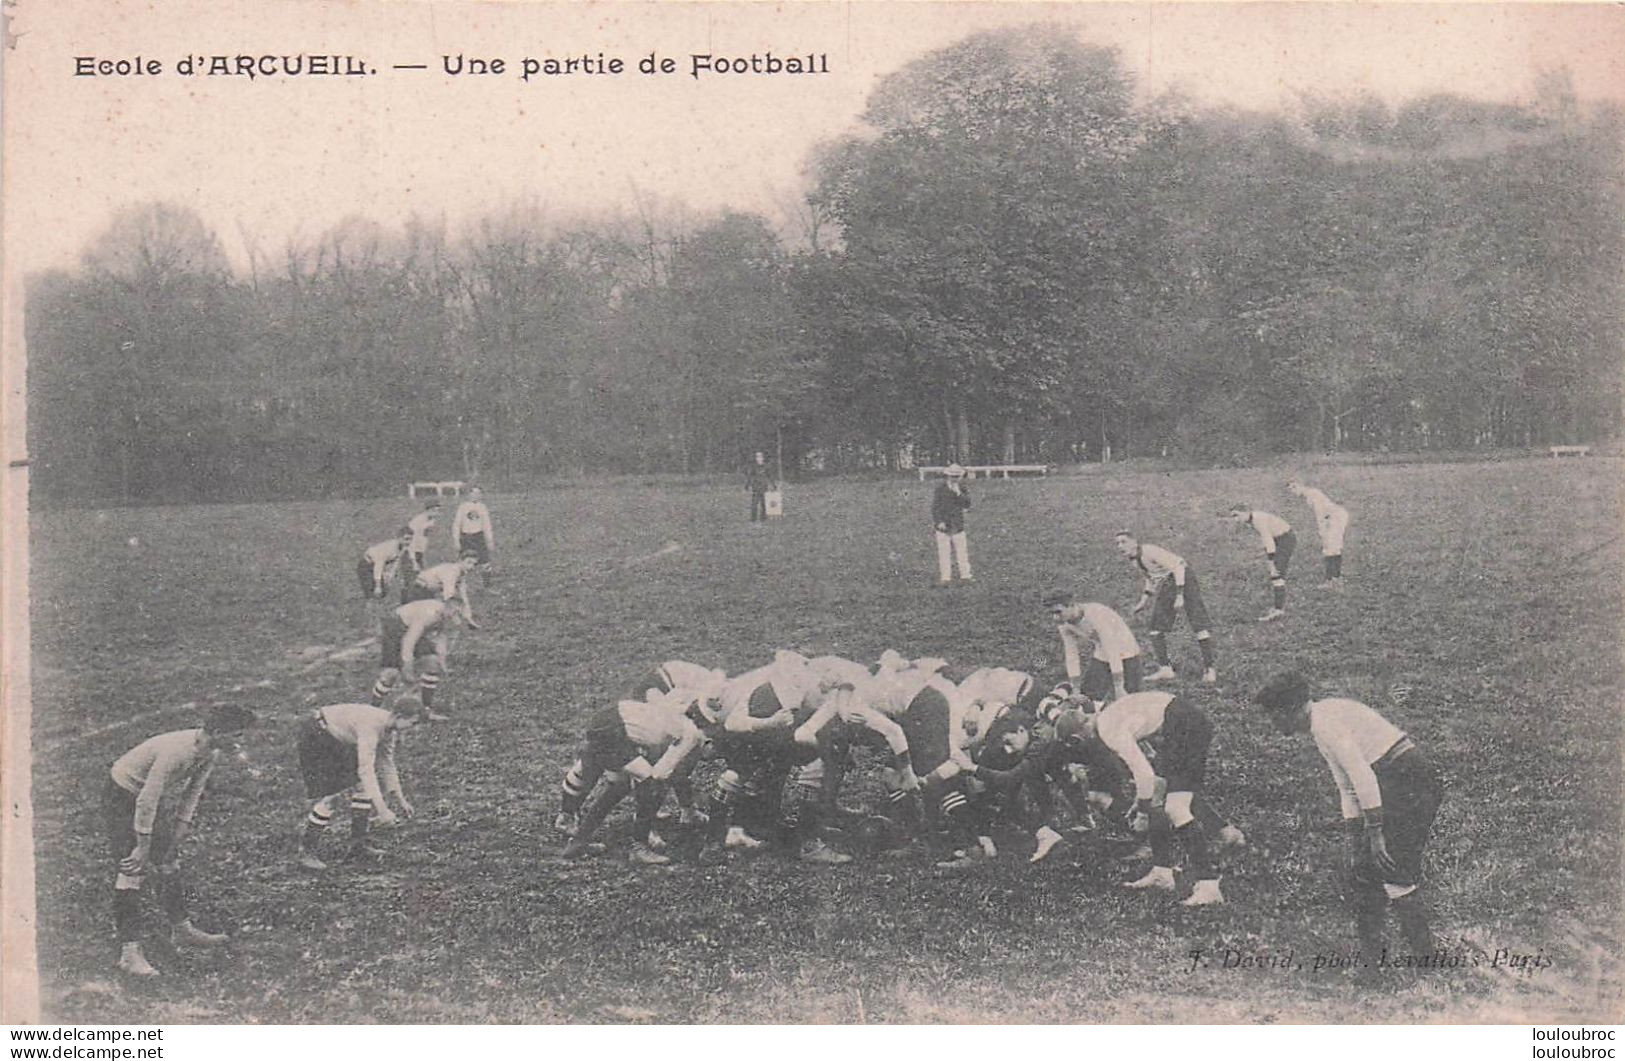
x=274 y=159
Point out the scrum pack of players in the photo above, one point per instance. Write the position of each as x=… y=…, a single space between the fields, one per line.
x=957 y=751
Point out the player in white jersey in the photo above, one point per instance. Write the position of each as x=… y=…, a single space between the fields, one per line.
x=414 y=642
x=1332 y=520
x=449 y=582
x=349 y=749
x=1389 y=794
x=690 y=689
x=1114 y=667
x=378 y=561
x=1170 y=586
x=1279 y=543
x=151 y=796
x=420 y=525
x=760 y=711
x=471 y=531
x=1181 y=734
x=640 y=744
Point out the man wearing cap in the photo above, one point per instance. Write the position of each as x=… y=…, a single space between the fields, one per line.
x=1114 y=664
x=758 y=483
x=948 y=506
x=1389 y=795
x=1279 y=542
x=349 y=749
x=151 y=796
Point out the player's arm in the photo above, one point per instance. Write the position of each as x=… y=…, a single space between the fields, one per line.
x=687 y=743
x=190 y=800
x=807 y=733
x=147 y=802
x=366 y=757
x=1125 y=747
x=1069 y=652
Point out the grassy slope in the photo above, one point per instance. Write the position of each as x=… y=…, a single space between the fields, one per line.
x=1463 y=623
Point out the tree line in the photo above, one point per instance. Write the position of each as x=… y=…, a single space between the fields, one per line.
x=1011 y=257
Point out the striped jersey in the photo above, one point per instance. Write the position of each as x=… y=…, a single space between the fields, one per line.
x=171 y=763
x=1103 y=628
x=1124 y=723
x=1351 y=737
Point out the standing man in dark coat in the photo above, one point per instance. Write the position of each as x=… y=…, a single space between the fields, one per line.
x=758 y=482
x=948 y=507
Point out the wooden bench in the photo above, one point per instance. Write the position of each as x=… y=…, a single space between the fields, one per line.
x=1571 y=451
x=452 y=486
x=986 y=471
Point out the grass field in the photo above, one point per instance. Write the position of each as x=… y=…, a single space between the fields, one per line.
x=1466 y=621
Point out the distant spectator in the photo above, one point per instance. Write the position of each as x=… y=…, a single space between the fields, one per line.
x=948 y=507
x=758 y=482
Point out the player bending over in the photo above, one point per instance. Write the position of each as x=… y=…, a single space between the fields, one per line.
x=638 y=745
x=1332 y=520
x=449 y=582
x=1170 y=586
x=1279 y=542
x=349 y=750
x=1181 y=734
x=378 y=562
x=760 y=711
x=1389 y=794
x=690 y=689
x=414 y=642
x=1114 y=668
x=151 y=797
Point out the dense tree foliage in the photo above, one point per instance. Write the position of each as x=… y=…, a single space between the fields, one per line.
x=1009 y=258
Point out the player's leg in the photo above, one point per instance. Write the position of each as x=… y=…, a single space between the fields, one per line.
x=1411 y=795
x=390 y=661
x=961 y=544
x=646 y=846
x=945 y=571
x=1196 y=614
x=118 y=820
x=597 y=811
x=1162 y=621
x=327 y=766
